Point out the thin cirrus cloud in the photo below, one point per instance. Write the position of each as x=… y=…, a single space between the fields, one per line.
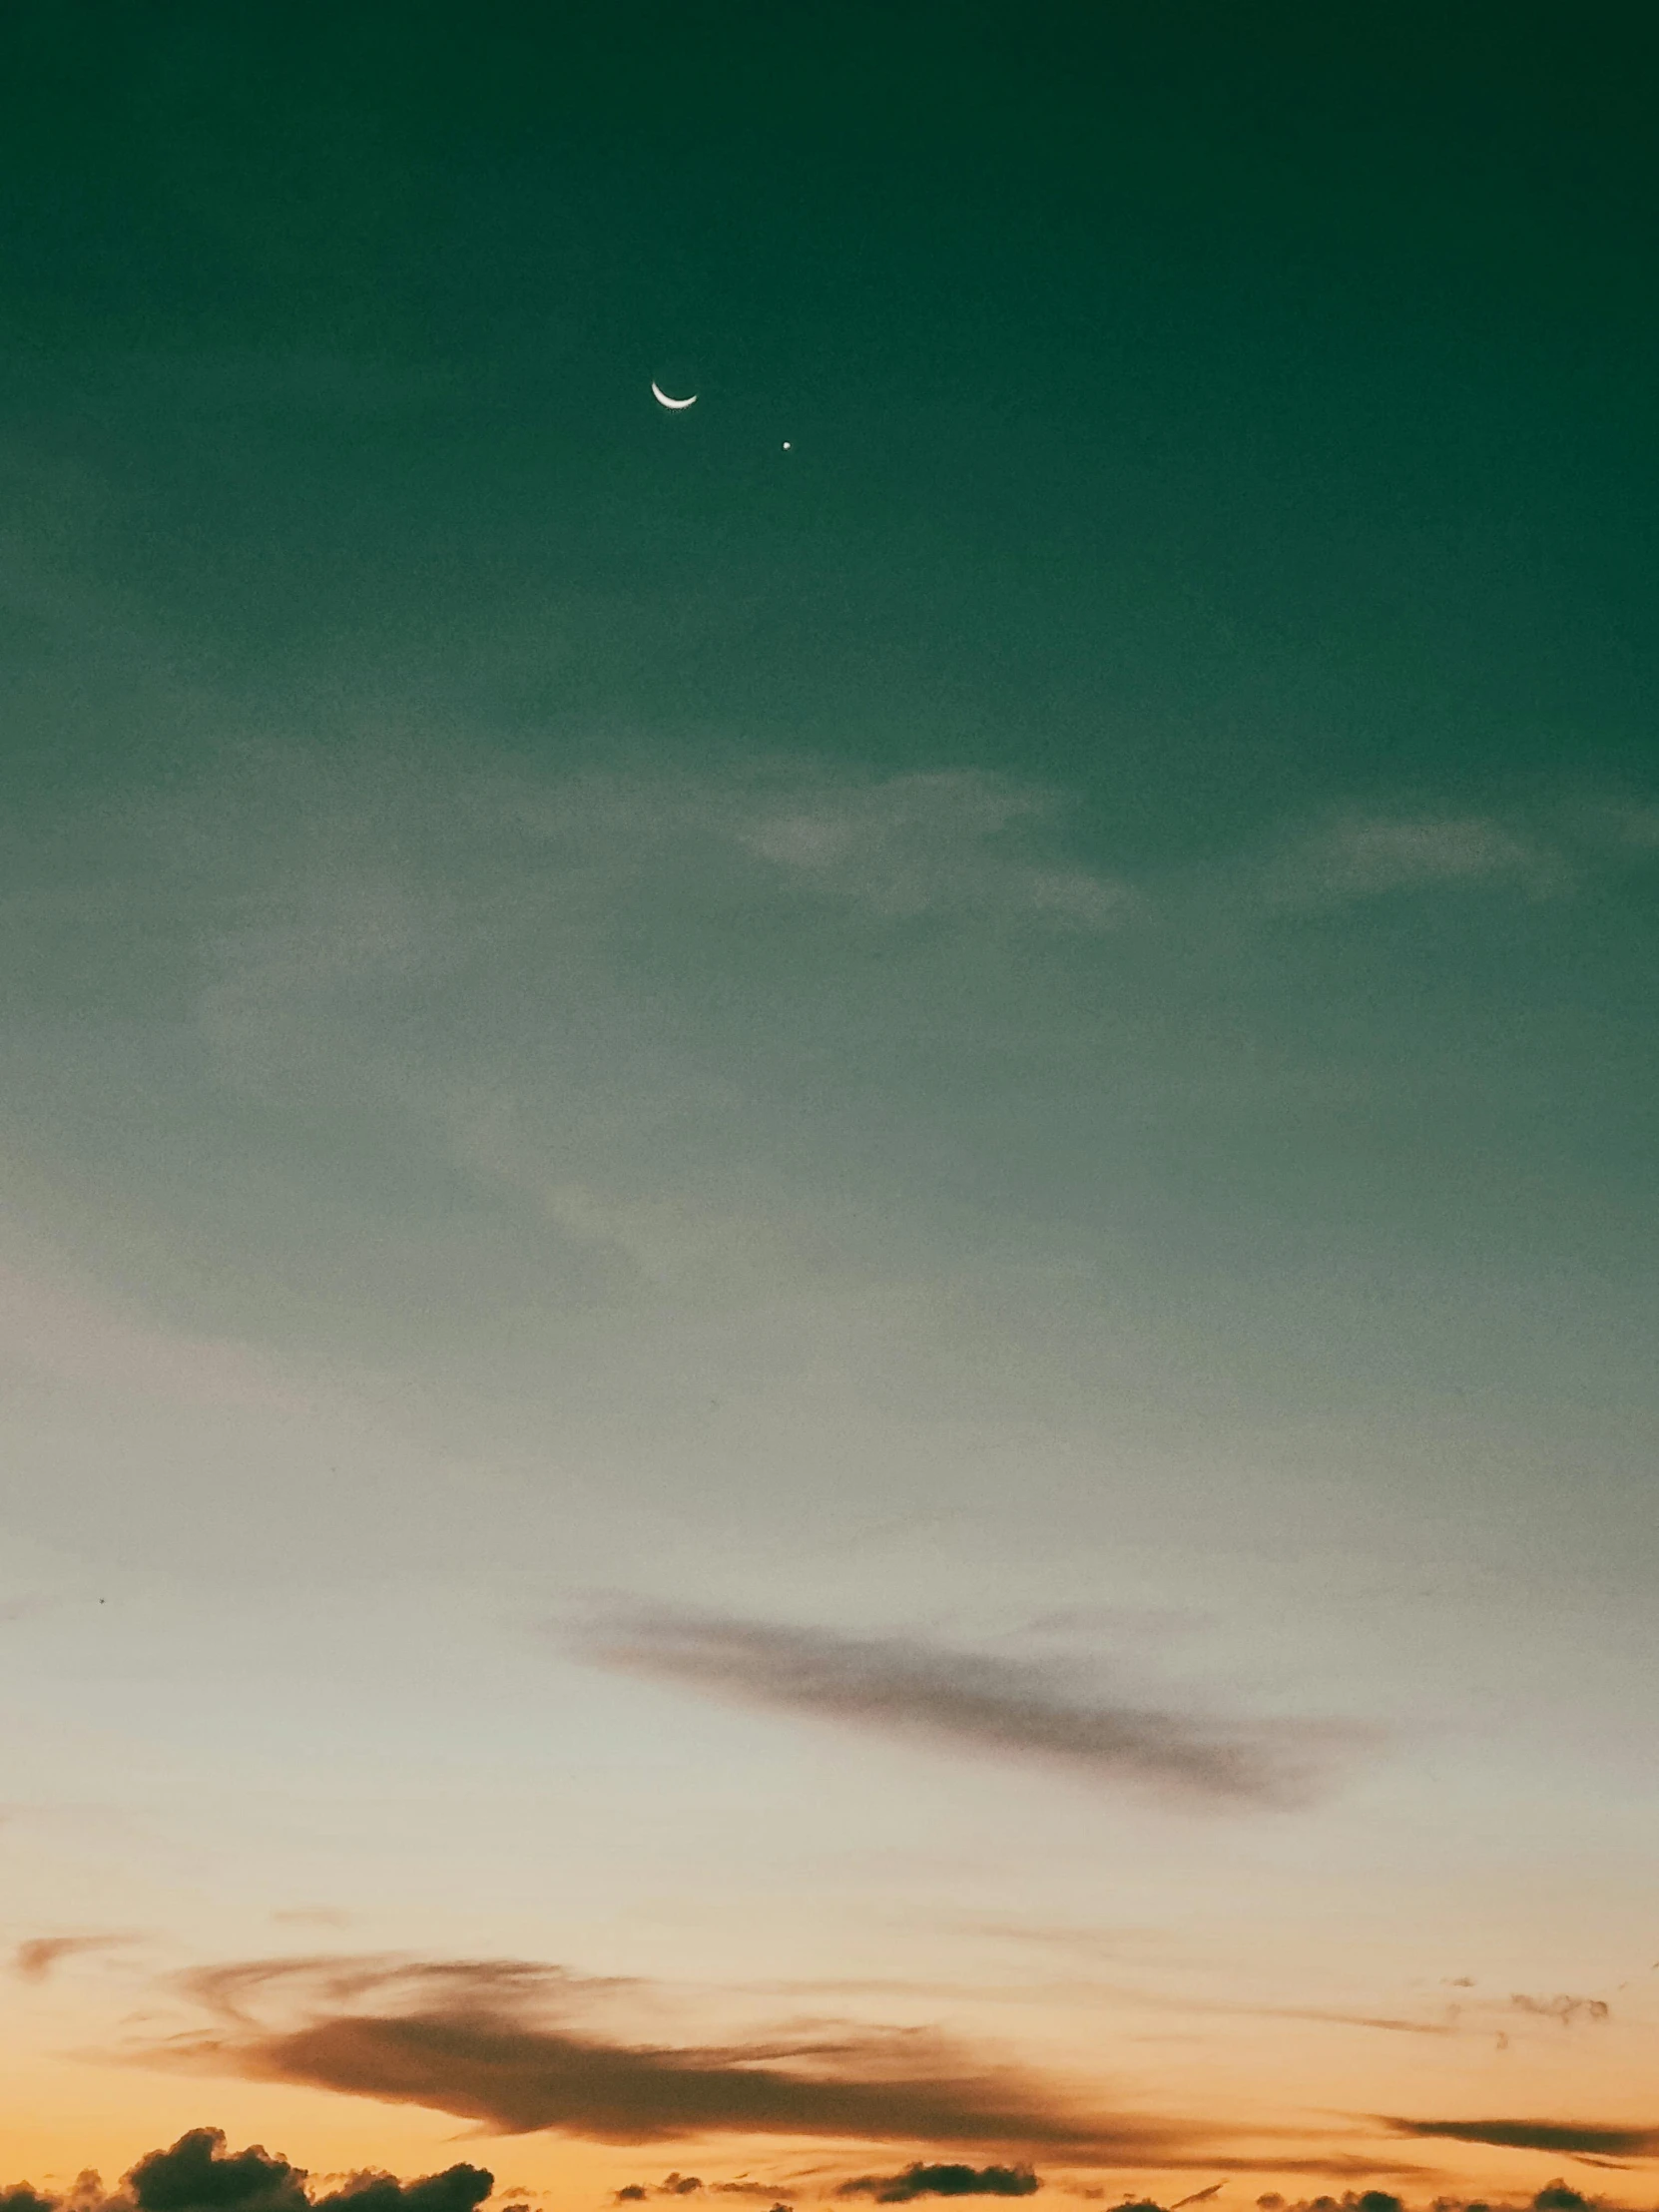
x=908 y=845
x=1574 y=2139
x=52 y=1329
x=502 y=2044
x=975 y=1702
x=1568 y=2010
x=1368 y=856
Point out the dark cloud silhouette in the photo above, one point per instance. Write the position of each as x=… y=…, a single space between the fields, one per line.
x=974 y=1700
x=198 y=2175
x=1350 y=2201
x=1339 y=2166
x=1353 y=2200
x=35 y=1959
x=1556 y=2197
x=1562 y=2135
x=485 y=2041
x=920 y=2180
x=1365 y=2200
x=456 y=2189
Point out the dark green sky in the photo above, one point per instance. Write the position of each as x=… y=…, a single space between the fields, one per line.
x=1219 y=410
x=1031 y=1025
x=1232 y=430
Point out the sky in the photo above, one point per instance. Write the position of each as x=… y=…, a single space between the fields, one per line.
x=827 y=1283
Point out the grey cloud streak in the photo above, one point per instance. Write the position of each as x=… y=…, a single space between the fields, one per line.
x=975 y=1702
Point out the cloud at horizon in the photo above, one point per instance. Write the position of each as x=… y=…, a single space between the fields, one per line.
x=198 y=2174
x=490 y=2041
x=922 y=2180
x=502 y=2042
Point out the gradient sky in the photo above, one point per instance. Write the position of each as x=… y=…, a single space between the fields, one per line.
x=828 y=1304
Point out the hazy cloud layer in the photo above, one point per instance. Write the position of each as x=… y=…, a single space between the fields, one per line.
x=908 y=845
x=975 y=1702
x=493 y=2042
x=1367 y=855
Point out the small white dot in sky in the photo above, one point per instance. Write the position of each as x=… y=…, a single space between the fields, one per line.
x=786 y=445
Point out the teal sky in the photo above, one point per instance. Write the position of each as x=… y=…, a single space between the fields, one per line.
x=988 y=1003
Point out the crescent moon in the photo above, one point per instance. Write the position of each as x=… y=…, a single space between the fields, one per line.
x=664 y=400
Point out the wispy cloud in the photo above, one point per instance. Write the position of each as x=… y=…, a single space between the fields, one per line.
x=1568 y=2010
x=973 y=1702
x=55 y=1330
x=1389 y=2023
x=956 y=840
x=1368 y=856
x=505 y=2043
x=1633 y=826
x=233 y=1991
x=36 y=1959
